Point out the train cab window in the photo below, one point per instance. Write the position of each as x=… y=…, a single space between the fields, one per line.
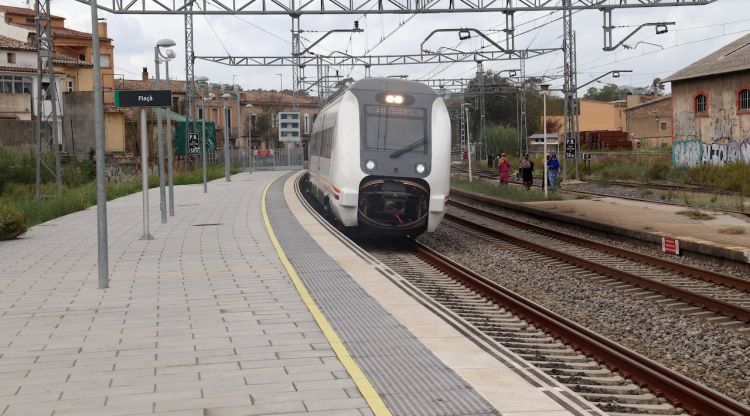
x=396 y=129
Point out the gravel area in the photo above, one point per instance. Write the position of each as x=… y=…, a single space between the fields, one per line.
x=716 y=357
x=720 y=266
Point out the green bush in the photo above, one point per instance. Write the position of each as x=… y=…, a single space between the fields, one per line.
x=502 y=139
x=658 y=169
x=12 y=223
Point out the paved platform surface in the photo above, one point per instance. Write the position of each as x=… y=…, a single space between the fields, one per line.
x=206 y=320
x=201 y=321
x=658 y=219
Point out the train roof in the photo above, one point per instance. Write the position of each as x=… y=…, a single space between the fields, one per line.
x=392 y=84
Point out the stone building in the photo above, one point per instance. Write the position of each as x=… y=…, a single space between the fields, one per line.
x=649 y=124
x=711 y=107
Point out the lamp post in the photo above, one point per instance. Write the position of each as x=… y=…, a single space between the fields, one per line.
x=250 y=136
x=468 y=137
x=164 y=43
x=545 y=91
x=227 y=156
x=170 y=152
x=204 y=98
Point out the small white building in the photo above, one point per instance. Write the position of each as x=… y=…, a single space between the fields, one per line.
x=536 y=143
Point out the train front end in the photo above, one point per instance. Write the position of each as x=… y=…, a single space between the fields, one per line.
x=405 y=155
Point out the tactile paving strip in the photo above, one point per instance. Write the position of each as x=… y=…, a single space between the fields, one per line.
x=409 y=378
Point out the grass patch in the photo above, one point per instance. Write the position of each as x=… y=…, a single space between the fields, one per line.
x=695 y=214
x=76 y=198
x=733 y=230
x=513 y=193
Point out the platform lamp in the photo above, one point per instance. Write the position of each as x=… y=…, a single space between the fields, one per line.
x=545 y=90
x=250 y=136
x=166 y=57
x=227 y=156
x=203 y=80
x=164 y=43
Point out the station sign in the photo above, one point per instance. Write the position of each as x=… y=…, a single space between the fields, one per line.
x=193 y=145
x=148 y=98
x=570 y=148
x=289 y=126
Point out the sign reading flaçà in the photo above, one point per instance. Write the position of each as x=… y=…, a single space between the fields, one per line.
x=152 y=98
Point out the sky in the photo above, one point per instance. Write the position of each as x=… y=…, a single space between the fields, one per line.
x=698 y=31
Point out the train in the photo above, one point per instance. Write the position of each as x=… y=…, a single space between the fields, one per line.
x=379 y=158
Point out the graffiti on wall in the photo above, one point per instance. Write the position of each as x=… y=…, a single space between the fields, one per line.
x=693 y=152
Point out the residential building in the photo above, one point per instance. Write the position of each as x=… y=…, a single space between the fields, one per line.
x=536 y=143
x=711 y=107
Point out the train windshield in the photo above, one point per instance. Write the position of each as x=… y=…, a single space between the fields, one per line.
x=396 y=129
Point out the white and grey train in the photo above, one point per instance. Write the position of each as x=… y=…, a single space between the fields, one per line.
x=379 y=157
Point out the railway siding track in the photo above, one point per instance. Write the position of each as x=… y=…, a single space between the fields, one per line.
x=717 y=293
x=561 y=347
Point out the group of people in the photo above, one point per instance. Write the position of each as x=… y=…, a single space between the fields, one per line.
x=525 y=169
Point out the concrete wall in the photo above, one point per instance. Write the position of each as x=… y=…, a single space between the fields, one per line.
x=16 y=104
x=720 y=135
x=595 y=116
x=78 y=123
x=24 y=59
x=651 y=124
x=18 y=134
x=114 y=131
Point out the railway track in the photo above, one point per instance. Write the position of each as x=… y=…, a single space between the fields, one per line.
x=720 y=299
x=612 y=377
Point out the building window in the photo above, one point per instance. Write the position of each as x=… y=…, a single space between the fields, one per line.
x=105 y=61
x=663 y=126
x=70 y=85
x=81 y=57
x=744 y=100
x=200 y=114
x=15 y=85
x=701 y=103
x=11 y=58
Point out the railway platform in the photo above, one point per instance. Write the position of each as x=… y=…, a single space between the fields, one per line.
x=243 y=304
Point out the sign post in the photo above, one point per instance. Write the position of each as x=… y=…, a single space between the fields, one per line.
x=570 y=147
x=143 y=99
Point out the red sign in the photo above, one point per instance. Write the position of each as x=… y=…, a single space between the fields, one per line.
x=670 y=245
x=267 y=152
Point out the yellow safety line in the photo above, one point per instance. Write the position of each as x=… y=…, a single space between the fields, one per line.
x=360 y=379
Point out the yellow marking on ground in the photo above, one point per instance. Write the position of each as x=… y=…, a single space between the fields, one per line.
x=360 y=379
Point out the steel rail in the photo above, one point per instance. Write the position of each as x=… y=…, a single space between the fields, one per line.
x=727 y=309
x=707 y=275
x=680 y=390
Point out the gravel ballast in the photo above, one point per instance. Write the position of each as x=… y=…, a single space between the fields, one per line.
x=717 y=357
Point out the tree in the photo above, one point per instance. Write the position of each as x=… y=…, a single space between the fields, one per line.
x=609 y=92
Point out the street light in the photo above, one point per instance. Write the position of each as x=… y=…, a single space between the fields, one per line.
x=168 y=56
x=164 y=43
x=545 y=91
x=250 y=135
x=203 y=80
x=227 y=157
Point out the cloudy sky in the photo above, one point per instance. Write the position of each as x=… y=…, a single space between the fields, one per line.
x=698 y=31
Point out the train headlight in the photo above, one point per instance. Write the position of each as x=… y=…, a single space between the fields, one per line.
x=394 y=99
x=370 y=165
x=420 y=168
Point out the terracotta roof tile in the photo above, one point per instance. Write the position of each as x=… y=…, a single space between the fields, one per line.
x=13 y=44
x=731 y=58
x=22 y=11
x=16 y=69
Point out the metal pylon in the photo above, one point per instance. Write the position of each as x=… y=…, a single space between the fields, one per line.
x=45 y=67
x=570 y=86
x=482 y=118
x=189 y=81
x=521 y=115
x=296 y=69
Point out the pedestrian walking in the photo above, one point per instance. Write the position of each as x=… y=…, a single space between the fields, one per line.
x=503 y=169
x=490 y=161
x=526 y=169
x=553 y=167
